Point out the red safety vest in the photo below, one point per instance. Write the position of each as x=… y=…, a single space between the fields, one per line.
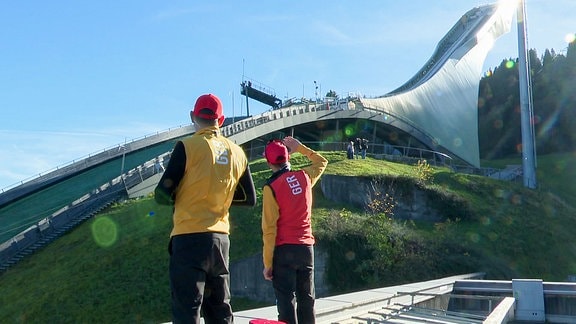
x=293 y=193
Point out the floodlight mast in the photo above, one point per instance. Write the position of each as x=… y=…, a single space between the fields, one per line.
x=526 y=112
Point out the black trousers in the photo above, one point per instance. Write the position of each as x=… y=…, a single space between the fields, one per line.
x=293 y=281
x=200 y=278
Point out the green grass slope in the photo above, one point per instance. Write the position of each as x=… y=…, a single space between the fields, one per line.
x=114 y=267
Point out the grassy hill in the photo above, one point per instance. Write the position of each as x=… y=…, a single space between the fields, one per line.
x=113 y=268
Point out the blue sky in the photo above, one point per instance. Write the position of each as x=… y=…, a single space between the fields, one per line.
x=77 y=77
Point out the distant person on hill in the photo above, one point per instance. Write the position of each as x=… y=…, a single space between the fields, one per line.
x=350 y=150
x=158 y=167
x=357 y=147
x=205 y=175
x=288 y=251
x=363 y=148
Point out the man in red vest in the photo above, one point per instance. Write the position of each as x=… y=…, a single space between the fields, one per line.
x=288 y=251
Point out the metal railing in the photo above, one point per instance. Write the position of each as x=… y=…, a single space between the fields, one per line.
x=83 y=159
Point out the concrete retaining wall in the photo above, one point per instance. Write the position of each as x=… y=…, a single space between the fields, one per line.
x=247 y=279
x=411 y=203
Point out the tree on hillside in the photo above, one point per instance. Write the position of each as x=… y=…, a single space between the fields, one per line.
x=500 y=114
x=567 y=99
x=554 y=105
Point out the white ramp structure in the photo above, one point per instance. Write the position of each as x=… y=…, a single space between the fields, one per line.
x=439 y=104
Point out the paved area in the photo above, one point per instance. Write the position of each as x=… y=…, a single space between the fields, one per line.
x=375 y=305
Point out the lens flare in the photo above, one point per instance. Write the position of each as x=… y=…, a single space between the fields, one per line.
x=516 y=199
x=510 y=64
x=498 y=124
x=457 y=142
x=570 y=38
x=349 y=130
x=474 y=237
x=104 y=232
x=500 y=193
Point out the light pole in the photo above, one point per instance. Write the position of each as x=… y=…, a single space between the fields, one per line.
x=316 y=91
x=526 y=112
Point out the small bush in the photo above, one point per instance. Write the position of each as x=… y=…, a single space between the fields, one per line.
x=423 y=172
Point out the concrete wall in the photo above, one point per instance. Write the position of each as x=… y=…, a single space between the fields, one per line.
x=411 y=203
x=247 y=279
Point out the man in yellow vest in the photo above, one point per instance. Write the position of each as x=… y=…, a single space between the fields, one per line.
x=205 y=175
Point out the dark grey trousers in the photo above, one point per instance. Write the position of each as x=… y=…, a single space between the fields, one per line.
x=293 y=281
x=200 y=278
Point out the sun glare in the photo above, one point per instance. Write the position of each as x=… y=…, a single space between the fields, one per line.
x=570 y=38
x=508 y=5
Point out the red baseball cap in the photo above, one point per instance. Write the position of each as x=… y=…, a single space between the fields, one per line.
x=208 y=106
x=276 y=152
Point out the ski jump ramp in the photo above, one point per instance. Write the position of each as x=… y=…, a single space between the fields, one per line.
x=441 y=100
